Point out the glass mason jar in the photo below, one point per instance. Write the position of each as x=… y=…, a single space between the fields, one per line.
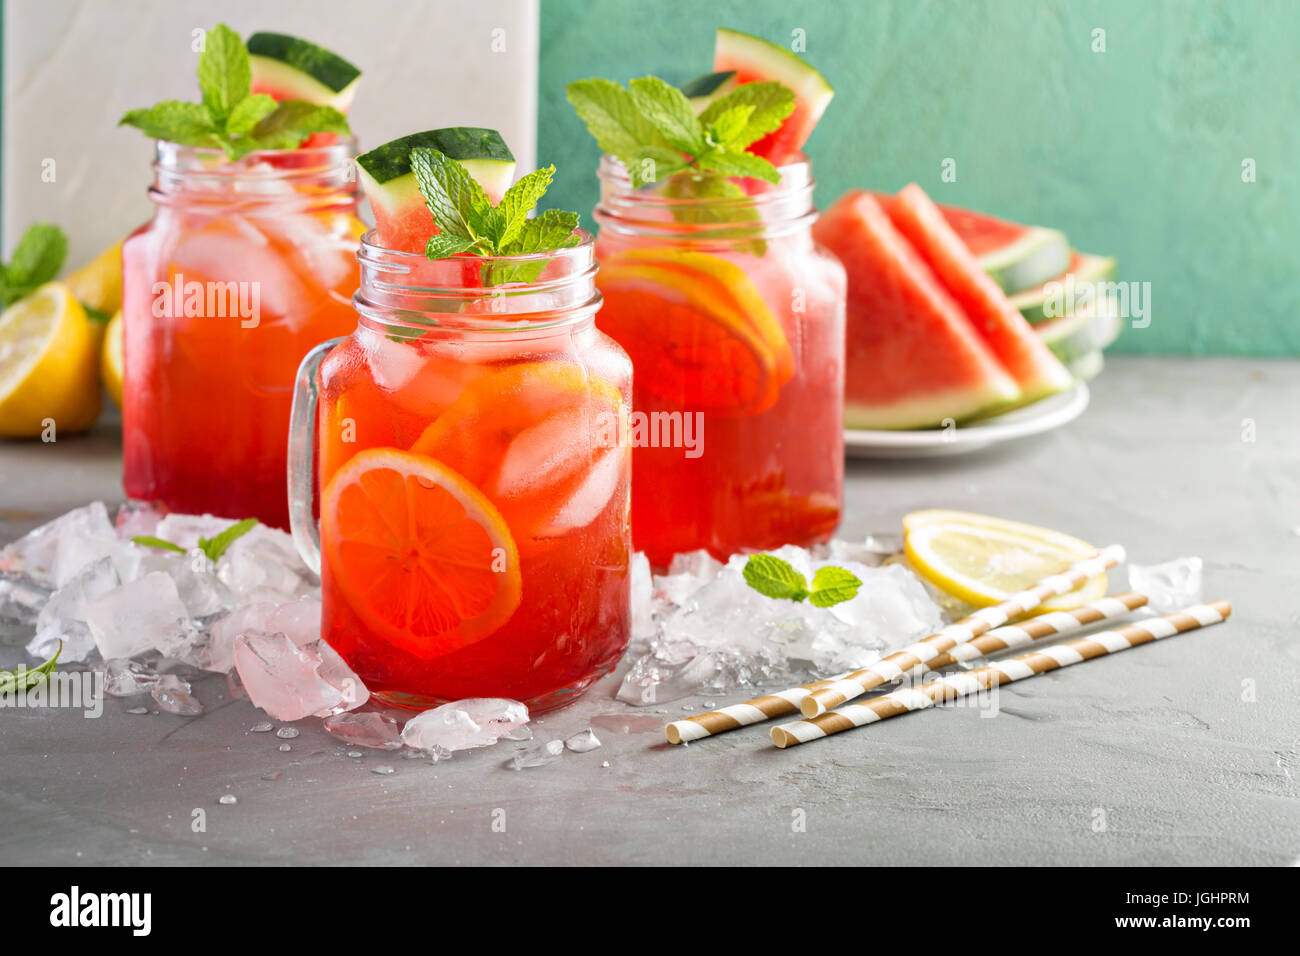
x=734 y=319
x=474 y=534
x=244 y=267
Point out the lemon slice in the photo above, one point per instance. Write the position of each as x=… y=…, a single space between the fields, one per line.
x=983 y=560
x=110 y=363
x=49 y=366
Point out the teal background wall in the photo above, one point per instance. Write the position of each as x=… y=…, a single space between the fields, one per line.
x=1135 y=152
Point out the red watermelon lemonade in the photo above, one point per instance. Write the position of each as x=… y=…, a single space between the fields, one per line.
x=248 y=262
x=733 y=316
x=474 y=534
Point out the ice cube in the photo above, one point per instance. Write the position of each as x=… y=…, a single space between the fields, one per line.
x=70 y=639
x=699 y=564
x=68 y=603
x=175 y=696
x=126 y=678
x=1171 y=585
x=374 y=730
x=592 y=495
x=464 y=724
x=21 y=598
x=185 y=530
x=135 y=518
x=137 y=617
x=264 y=559
x=584 y=742
x=642 y=598
x=299 y=619
x=202 y=592
x=35 y=553
x=538 y=756
x=291 y=682
x=248 y=617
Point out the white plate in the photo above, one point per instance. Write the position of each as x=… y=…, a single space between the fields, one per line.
x=1044 y=415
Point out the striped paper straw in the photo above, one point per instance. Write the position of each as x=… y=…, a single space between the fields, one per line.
x=1002 y=672
x=901 y=662
x=786 y=702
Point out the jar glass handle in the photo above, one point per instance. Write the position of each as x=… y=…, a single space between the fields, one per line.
x=302 y=455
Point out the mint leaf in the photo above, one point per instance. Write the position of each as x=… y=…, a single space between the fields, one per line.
x=292 y=121
x=444 y=245
x=225 y=76
x=175 y=121
x=216 y=546
x=771 y=102
x=36 y=260
x=98 y=316
x=552 y=229
x=162 y=544
x=671 y=113
x=521 y=199
x=613 y=117
x=453 y=196
x=739 y=164
x=832 y=585
x=250 y=111
x=21 y=678
x=726 y=130
x=770 y=575
x=652 y=164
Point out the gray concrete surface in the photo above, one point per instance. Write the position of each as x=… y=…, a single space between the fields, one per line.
x=1185 y=752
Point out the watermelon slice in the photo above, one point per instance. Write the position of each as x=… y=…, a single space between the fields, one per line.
x=290 y=68
x=1084 y=268
x=754 y=59
x=1022 y=353
x=1090 y=329
x=912 y=358
x=1017 y=257
x=402 y=220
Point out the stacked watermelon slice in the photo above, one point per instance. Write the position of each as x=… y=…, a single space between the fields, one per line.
x=941 y=308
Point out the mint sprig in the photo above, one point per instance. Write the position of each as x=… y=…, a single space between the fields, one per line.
x=213 y=547
x=36 y=260
x=468 y=222
x=23 y=678
x=651 y=127
x=776 y=578
x=230 y=116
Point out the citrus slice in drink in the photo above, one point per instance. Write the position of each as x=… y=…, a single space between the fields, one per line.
x=420 y=554
x=983 y=560
x=49 y=366
x=697 y=329
x=544 y=440
x=111 y=361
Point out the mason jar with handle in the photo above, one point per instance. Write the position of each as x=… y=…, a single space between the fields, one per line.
x=469 y=443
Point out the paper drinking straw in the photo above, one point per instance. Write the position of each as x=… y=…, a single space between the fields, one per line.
x=900 y=662
x=785 y=702
x=1002 y=672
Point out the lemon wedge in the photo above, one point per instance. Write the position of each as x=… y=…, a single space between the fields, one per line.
x=982 y=560
x=98 y=284
x=110 y=362
x=49 y=366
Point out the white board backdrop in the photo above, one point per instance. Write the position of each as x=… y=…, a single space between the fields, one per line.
x=72 y=68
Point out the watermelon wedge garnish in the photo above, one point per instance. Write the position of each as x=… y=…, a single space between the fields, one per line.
x=291 y=68
x=402 y=220
x=1022 y=353
x=752 y=59
x=913 y=359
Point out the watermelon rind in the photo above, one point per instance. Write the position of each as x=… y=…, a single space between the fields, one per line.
x=1088 y=330
x=298 y=69
x=1087 y=366
x=1029 y=261
x=703 y=90
x=1032 y=303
